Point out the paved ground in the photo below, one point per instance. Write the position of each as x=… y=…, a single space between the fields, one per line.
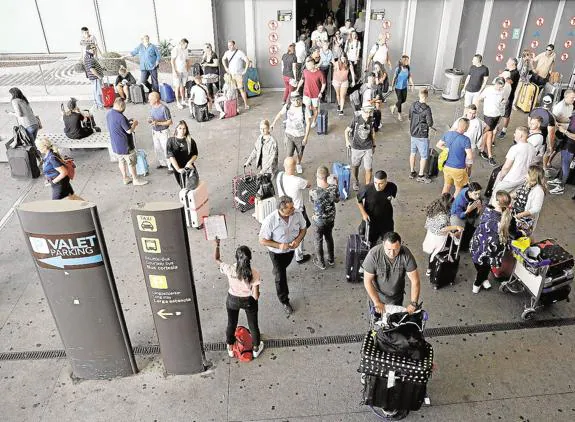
x=503 y=375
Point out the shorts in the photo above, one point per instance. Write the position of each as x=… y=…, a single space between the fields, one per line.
x=470 y=98
x=456 y=177
x=491 y=122
x=359 y=155
x=311 y=102
x=62 y=189
x=508 y=108
x=239 y=80
x=180 y=79
x=293 y=143
x=130 y=158
x=338 y=84
x=420 y=145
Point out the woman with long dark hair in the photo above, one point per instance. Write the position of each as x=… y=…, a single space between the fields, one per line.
x=492 y=239
x=181 y=150
x=401 y=79
x=243 y=293
x=438 y=227
x=24 y=113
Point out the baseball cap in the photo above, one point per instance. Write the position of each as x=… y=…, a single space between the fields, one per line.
x=547 y=99
x=295 y=95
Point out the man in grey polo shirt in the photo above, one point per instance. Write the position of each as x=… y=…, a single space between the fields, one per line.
x=385 y=268
x=282 y=231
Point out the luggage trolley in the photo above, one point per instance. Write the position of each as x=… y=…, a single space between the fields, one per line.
x=392 y=384
x=546 y=279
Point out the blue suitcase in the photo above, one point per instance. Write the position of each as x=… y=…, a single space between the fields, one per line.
x=142 y=167
x=252 y=82
x=321 y=126
x=343 y=173
x=167 y=93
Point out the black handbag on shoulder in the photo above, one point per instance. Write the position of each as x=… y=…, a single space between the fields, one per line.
x=265 y=186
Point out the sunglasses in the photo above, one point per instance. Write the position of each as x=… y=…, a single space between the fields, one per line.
x=548 y=49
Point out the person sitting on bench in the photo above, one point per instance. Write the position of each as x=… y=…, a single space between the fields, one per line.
x=77 y=124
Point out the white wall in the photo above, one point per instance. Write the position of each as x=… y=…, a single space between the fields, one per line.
x=124 y=22
x=64 y=34
x=21 y=30
x=193 y=21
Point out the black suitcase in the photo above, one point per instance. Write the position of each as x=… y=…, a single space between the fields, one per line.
x=445 y=265
x=244 y=190
x=137 y=94
x=561 y=260
x=322 y=122
x=491 y=183
x=432 y=165
x=407 y=390
x=201 y=113
x=23 y=160
x=357 y=249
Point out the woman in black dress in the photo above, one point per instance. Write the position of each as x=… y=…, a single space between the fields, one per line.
x=182 y=151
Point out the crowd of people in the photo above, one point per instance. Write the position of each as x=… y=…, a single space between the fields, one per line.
x=308 y=65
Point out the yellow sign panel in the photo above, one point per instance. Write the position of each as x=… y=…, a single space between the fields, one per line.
x=147 y=223
x=158 y=282
x=151 y=245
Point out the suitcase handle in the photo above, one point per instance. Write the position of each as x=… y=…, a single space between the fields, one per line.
x=365 y=240
x=451 y=246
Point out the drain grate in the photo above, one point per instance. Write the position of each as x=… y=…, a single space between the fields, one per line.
x=154 y=349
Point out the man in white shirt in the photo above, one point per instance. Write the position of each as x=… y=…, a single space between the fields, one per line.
x=494 y=104
x=236 y=63
x=179 y=61
x=346 y=29
x=379 y=53
x=319 y=36
x=517 y=161
x=536 y=139
x=562 y=111
x=359 y=24
x=289 y=184
x=474 y=132
x=86 y=40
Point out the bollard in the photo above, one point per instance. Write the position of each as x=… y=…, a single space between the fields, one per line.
x=68 y=247
x=162 y=239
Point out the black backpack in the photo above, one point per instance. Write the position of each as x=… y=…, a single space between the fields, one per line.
x=404 y=336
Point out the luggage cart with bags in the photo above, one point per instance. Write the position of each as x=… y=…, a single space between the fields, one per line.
x=395 y=376
x=545 y=271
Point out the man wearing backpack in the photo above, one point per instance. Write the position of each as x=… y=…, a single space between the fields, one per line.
x=236 y=63
x=421 y=120
x=297 y=127
x=360 y=138
x=379 y=53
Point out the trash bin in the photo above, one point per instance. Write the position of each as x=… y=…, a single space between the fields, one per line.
x=453 y=84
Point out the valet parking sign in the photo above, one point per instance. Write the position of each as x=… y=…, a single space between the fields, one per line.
x=72 y=251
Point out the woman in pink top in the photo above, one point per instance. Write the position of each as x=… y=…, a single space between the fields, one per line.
x=340 y=81
x=244 y=291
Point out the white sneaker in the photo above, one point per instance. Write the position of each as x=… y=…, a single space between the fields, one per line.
x=259 y=350
x=486 y=285
x=475 y=289
x=555 y=181
x=392 y=109
x=298 y=169
x=557 y=190
x=399 y=117
x=230 y=351
x=180 y=106
x=140 y=182
x=222 y=115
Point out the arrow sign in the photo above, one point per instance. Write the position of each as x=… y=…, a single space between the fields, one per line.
x=164 y=315
x=59 y=262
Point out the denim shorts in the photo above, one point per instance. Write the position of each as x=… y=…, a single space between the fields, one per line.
x=420 y=145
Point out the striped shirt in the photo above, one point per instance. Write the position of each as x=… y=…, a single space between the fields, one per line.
x=90 y=62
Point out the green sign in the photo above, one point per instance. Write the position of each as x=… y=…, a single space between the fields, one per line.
x=516 y=33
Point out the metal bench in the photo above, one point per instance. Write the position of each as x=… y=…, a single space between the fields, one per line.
x=96 y=140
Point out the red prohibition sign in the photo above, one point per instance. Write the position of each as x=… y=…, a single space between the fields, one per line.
x=387 y=24
x=504 y=35
x=568 y=44
x=273 y=49
x=501 y=46
x=539 y=21
x=564 y=56
x=273 y=25
x=274 y=61
x=572 y=21
x=506 y=23
x=499 y=57
x=534 y=44
x=273 y=37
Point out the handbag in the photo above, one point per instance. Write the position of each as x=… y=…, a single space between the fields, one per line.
x=404 y=336
x=265 y=186
x=442 y=158
x=192 y=178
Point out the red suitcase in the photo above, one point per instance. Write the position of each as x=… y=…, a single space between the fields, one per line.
x=231 y=108
x=108 y=95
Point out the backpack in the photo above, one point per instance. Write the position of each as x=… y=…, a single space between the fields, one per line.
x=288 y=105
x=243 y=347
x=404 y=336
x=398 y=70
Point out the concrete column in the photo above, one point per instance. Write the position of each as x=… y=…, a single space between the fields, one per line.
x=409 y=27
x=557 y=21
x=482 y=38
x=447 y=43
x=250 y=30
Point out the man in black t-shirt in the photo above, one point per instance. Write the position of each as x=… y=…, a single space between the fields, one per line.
x=374 y=203
x=547 y=123
x=476 y=80
x=360 y=138
x=514 y=76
